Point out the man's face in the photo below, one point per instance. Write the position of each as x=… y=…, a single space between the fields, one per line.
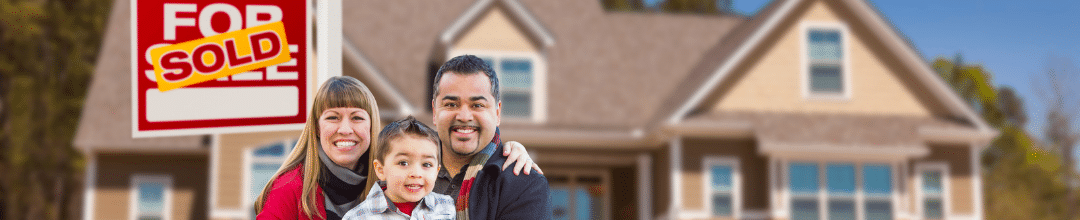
x=465 y=113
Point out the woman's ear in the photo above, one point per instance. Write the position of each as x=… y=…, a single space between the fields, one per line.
x=378 y=169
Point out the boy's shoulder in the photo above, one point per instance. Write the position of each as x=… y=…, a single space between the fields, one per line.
x=374 y=204
x=440 y=204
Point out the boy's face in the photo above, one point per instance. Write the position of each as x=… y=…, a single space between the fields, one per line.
x=409 y=168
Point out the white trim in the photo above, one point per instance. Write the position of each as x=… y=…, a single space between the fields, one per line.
x=532 y=25
x=946 y=200
x=915 y=59
x=539 y=91
x=676 y=176
x=843 y=152
x=215 y=166
x=89 y=187
x=714 y=79
x=134 y=78
x=804 y=59
x=645 y=187
x=133 y=203
x=736 y=183
x=245 y=178
x=755 y=214
x=976 y=180
x=776 y=198
x=328 y=58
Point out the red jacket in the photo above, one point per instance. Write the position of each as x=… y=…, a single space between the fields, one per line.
x=283 y=201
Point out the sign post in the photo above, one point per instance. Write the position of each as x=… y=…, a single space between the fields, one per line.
x=221 y=66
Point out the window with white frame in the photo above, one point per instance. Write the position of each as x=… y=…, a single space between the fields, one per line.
x=825 y=60
x=804 y=189
x=263 y=163
x=837 y=190
x=877 y=191
x=151 y=197
x=723 y=186
x=932 y=191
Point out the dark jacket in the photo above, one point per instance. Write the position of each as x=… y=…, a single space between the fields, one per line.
x=499 y=194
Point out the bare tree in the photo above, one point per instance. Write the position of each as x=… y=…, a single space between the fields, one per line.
x=1059 y=89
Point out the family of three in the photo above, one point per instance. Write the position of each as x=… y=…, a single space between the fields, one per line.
x=455 y=171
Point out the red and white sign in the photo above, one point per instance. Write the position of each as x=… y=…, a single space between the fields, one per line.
x=269 y=98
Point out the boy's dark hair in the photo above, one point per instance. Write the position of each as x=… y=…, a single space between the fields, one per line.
x=407 y=126
x=466 y=65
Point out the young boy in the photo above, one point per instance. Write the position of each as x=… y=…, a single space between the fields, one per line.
x=407 y=158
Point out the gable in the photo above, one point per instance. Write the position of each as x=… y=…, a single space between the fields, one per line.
x=495 y=30
x=775 y=78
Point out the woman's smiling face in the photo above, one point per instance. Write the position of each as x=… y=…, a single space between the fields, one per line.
x=345 y=134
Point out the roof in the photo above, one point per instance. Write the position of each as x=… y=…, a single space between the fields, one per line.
x=595 y=52
x=106 y=118
x=831 y=129
x=715 y=71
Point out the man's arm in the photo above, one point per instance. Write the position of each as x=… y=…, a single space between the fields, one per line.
x=524 y=197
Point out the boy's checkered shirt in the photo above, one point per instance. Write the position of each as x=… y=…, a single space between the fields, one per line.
x=377 y=207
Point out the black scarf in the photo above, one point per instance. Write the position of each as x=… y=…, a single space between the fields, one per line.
x=341 y=186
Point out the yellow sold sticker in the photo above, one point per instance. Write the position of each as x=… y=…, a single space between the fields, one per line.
x=221 y=55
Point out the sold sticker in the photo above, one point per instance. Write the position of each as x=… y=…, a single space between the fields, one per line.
x=221 y=55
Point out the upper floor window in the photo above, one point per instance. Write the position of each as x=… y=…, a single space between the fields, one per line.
x=151 y=197
x=826 y=66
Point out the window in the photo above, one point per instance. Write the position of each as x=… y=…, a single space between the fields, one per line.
x=877 y=188
x=263 y=163
x=578 y=195
x=151 y=197
x=522 y=83
x=804 y=191
x=932 y=190
x=825 y=60
x=722 y=183
x=841 y=185
x=839 y=197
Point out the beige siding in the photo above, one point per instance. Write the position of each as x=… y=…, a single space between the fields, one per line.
x=753 y=169
x=495 y=30
x=112 y=199
x=961 y=194
x=773 y=80
x=230 y=168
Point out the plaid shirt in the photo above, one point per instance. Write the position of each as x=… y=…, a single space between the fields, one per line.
x=377 y=207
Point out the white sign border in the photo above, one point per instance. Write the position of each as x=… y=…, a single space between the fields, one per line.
x=135 y=133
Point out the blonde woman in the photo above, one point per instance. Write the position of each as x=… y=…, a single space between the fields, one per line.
x=327 y=173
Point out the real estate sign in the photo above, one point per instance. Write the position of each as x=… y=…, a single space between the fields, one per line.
x=202 y=67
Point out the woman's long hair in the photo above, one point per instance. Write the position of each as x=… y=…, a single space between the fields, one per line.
x=338 y=91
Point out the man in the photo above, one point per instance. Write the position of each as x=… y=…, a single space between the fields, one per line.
x=466 y=112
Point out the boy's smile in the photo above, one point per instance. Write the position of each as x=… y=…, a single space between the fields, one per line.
x=409 y=169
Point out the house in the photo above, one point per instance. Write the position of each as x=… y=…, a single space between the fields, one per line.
x=810 y=109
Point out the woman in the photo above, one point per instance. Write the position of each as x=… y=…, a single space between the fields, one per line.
x=330 y=163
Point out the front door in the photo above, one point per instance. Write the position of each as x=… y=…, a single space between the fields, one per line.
x=579 y=195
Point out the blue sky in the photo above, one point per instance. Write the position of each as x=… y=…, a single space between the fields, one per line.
x=1016 y=41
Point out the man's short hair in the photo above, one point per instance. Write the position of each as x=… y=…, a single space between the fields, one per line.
x=465 y=65
x=408 y=126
